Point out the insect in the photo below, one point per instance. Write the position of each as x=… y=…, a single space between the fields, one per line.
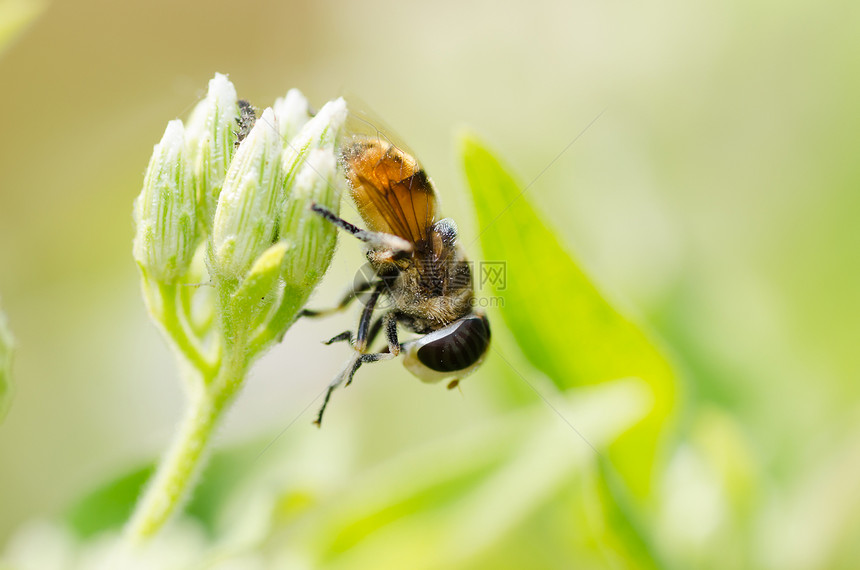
x=245 y=121
x=418 y=267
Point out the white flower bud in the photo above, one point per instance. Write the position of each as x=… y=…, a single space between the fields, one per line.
x=292 y=112
x=249 y=205
x=211 y=139
x=312 y=237
x=165 y=211
x=320 y=132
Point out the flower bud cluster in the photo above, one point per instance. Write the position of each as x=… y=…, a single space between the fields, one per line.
x=245 y=203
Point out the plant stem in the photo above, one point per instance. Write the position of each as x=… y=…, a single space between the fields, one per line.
x=174 y=478
x=177 y=329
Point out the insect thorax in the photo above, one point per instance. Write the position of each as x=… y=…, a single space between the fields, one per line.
x=429 y=298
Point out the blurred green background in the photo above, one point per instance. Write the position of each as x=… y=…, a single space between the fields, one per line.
x=716 y=199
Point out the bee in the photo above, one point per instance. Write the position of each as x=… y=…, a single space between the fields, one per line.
x=418 y=267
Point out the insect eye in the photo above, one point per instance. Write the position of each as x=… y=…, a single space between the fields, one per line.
x=453 y=351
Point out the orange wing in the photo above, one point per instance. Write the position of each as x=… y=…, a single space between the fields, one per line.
x=391 y=190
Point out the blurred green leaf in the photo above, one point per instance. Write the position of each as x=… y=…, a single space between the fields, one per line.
x=562 y=323
x=109 y=506
x=623 y=521
x=219 y=478
x=15 y=15
x=514 y=491
x=507 y=492
x=6 y=348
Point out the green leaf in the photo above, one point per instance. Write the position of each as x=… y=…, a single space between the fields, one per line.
x=561 y=322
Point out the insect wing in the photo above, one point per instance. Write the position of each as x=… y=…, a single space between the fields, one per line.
x=391 y=190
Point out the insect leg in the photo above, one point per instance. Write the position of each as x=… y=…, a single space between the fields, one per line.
x=391 y=333
x=348 y=297
x=350 y=368
x=364 y=358
x=393 y=348
x=347 y=335
x=359 y=358
x=348 y=372
x=376 y=240
x=361 y=341
x=363 y=334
